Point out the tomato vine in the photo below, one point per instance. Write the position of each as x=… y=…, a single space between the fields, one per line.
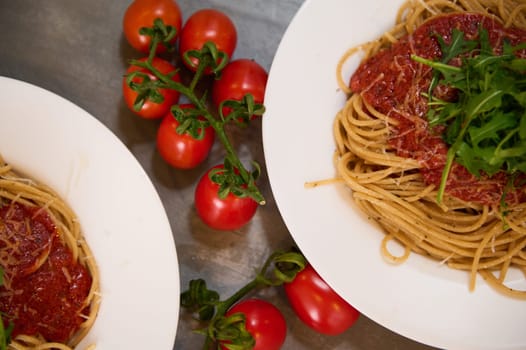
x=279 y=268
x=240 y=112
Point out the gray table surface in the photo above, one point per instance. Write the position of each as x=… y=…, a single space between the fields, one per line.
x=76 y=49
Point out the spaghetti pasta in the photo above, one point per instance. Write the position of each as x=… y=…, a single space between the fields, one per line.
x=65 y=266
x=473 y=234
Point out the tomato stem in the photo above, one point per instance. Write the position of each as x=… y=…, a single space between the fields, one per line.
x=153 y=48
x=209 y=57
x=217 y=124
x=234 y=298
x=198 y=74
x=279 y=268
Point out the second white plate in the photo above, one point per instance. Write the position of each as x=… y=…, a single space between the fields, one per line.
x=124 y=222
x=420 y=299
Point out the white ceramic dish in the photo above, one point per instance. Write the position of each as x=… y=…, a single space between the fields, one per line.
x=125 y=224
x=420 y=299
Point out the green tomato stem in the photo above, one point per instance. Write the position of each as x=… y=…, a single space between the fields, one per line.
x=223 y=306
x=153 y=48
x=198 y=74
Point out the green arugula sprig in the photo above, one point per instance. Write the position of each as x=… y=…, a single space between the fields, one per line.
x=5 y=333
x=279 y=268
x=485 y=126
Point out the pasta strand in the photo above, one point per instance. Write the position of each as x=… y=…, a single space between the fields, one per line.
x=390 y=189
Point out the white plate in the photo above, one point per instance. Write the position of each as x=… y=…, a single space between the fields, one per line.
x=125 y=224
x=420 y=299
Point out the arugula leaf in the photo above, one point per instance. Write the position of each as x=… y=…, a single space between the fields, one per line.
x=483 y=102
x=491 y=129
x=5 y=333
x=457 y=47
x=486 y=125
x=522 y=126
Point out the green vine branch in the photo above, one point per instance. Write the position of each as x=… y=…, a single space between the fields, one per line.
x=240 y=112
x=279 y=268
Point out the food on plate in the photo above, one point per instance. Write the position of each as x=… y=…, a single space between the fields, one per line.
x=431 y=139
x=49 y=295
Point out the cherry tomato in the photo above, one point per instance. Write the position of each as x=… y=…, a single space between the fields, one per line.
x=230 y=213
x=182 y=151
x=142 y=13
x=318 y=305
x=239 y=78
x=263 y=321
x=207 y=25
x=151 y=110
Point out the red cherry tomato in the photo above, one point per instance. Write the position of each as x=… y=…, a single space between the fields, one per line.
x=142 y=13
x=182 y=151
x=239 y=78
x=317 y=305
x=263 y=321
x=230 y=213
x=207 y=25
x=151 y=110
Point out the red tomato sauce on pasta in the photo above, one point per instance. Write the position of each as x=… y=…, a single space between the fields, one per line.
x=393 y=83
x=44 y=288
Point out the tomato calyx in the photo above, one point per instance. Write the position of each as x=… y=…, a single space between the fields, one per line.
x=148 y=89
x=286 y=266
x=208 y=57
x=230 y=331
x=160 y=33
x=230 y=180
x=200 y=300
x=190 y=121
x=241 y=112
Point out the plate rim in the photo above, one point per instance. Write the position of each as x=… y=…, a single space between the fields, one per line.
x=84 y=166
x=282 y=72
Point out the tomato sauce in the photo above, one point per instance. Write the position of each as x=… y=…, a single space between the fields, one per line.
x=44 y=288
x=393 y=84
